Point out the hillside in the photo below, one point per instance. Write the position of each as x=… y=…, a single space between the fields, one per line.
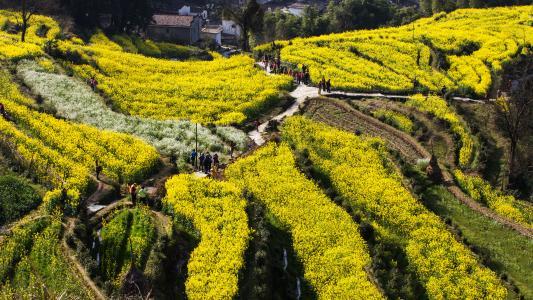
x=132 y=169
x=463 y=50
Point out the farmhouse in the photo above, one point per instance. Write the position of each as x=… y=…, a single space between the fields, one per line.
x=212 y=33
x=175 y=28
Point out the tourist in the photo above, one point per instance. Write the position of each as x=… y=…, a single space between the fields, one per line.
x=328 y=86
x=216 y=162
x=207 y=163
x=3 y=111
x=93 y=83
x=142 y=195
x=133 y=193
x=98 y=169
x=193 y=157
x=231 y=148
x=444 y=90
x=202 y=159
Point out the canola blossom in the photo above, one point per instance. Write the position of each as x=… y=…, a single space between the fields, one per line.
x=505 y=205
x=358 y=171
x=12 y=48
x=217 y=211
x=63 y=154
x=395 y=119
x=458 y=50
x=325 y=238
x=74 y=100
x=438 y=107
x=222 y=91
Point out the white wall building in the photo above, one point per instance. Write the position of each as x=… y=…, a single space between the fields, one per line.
x=212 y=32
x=231 y=28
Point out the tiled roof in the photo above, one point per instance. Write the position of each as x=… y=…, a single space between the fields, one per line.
x=212 y=29
x=173 y=20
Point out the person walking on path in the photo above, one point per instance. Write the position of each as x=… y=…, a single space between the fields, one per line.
x=93 y=83
x=328 y=86
x=98 y=169
x=216 y=162
x=193 y=157
x=320 y=87
x=207 y=163
x=202 y=159
x=142 y=195
x=133 y=193
x=3 y=111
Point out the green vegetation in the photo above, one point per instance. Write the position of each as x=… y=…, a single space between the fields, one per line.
x=32 y=264
x=17 y=197
x=502 y=249
x=126 y=242
x=395 y=119
x=159 y=50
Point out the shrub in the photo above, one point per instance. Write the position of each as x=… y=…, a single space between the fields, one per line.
x=17 y=197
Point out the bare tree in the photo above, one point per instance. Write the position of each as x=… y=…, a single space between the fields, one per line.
x=515 y=111
x=26 y=9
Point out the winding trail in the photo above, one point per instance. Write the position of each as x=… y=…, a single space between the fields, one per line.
x=301 y=94
x=304 y=92
x=340 y=114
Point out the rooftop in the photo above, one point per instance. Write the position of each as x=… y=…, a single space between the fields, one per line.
x=173 y=20
x=212 y=29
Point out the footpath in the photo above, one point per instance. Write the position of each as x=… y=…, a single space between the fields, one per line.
x=304 y=92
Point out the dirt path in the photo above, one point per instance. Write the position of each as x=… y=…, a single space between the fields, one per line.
x=80 y=270
x=485 y=211
x=435 y=132
x=301 y=94
x=341 y=115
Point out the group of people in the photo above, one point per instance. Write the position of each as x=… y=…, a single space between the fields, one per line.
x=275 y=66
x=205 y=162
x=324 y=85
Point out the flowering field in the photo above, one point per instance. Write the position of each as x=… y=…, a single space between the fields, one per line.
x=217 y=211
x=63 y=154
x=221 y=91
x=10 y=45
x=74 y=100
x=325 y=238
x=458 y=50
x=358 y=171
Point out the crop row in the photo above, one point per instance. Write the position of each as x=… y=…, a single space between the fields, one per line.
x=358 y=171
x=325 y=238
x=458 y=50
x=217 y=211
x=63 y=154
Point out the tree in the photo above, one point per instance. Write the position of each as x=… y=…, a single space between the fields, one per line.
x=85 y=13
x=437 y=6
x=476 y=3
x=26 y=10
x=126 y=15
x=462 y=4
x=425 y=7
x=249 y=18
x=515 y=111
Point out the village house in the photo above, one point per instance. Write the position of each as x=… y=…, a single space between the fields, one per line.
x=231 y=32
x=296 y=9
x=212 y=33
x=175 y=29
